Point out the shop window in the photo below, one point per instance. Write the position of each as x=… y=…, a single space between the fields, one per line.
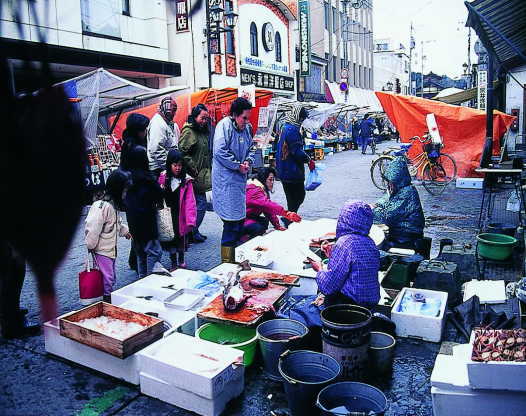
x=102 y=18
x=229 y=44
x=253 y=39
x=277 y=46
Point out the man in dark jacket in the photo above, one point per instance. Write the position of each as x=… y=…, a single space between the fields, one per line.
x=366 y=132
x=194 y=145
x=290 y=159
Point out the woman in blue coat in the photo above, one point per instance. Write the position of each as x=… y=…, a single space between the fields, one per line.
x=291 y=158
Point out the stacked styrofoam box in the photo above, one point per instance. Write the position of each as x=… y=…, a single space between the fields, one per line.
x=247 y=251
x=452 y=394
x=126 y=369
x=470 y=183
x=427 y=328
x=191 y=373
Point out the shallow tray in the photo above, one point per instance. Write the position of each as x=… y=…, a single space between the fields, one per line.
x=184 y=299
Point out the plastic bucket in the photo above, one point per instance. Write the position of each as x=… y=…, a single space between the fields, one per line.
x=500 y=228
x=244 y=339
x=346 y=325
x=495 y=246
x=381 y=351
x=275 y=337
x=351 y=398
x=305 y=373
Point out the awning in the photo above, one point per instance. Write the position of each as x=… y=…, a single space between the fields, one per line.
x=501 y=26
x=365 y=99
x=462 y=96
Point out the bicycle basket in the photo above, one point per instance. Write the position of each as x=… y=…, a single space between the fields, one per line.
x=432 y=150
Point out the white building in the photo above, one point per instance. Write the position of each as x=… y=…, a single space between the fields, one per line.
x=128 y=37
x=391 y=66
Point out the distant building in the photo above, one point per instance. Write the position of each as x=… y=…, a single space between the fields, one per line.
x=391 y=66
x=434 y=83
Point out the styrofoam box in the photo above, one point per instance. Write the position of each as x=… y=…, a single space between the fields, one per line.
x=495 y=375
x=126 y=369
x=427 y=328
x=258 y=258
x=187 y=400
x=202 y=367
x=470 y=183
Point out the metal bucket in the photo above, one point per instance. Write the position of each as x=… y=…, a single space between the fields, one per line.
x=353 y=360
x=381 y=351
x=305 y=373
x=275 y=337
x=351 y=398
x=346 y=325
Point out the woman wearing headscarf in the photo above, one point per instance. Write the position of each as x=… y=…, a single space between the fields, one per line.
x=291 y=157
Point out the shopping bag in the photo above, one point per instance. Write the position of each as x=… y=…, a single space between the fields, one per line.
x=165 y=226
x=91 y=287
x=314 y=178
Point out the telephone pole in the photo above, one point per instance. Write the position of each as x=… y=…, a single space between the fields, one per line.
x=411 y=47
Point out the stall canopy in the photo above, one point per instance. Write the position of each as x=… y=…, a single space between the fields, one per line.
x=100 y=92
x=359 y=97
x=463 y=129
x=218 y=102
x=460 y=96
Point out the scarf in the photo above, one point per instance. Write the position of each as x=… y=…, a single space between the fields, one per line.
x=293 y=117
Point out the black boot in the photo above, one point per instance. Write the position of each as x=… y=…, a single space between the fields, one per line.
x=197 y=237
x=174 y=262
x=15 y=326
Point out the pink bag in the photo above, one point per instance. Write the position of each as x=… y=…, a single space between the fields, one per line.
x=91 y=287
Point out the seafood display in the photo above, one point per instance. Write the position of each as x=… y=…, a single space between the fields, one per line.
x=233 y=295
x=258 y=282
x=499 y=345
x=116 y=328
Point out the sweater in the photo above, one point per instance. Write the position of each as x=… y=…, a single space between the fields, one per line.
x=162 y=137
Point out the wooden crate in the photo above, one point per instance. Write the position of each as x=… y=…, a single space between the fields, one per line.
x=70 y=328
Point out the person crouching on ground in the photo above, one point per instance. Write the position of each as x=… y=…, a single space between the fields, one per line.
x=260 y=209
x=141 y=202
x=400 y=209
x=179 y=196
x=352 y=273
x=104 y=225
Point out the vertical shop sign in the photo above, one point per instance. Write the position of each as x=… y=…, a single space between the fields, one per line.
x=482 y=90
x=304 y=17
x=181 y=16
x=215 y=44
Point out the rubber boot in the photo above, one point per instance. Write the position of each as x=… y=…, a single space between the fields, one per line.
x=174 y=262
x=228 y=254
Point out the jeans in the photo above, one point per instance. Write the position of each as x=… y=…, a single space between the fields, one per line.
x=107 y=268
x=232 y=233
x=200 y=200
x=256 y=228
x=295 y=194
x=365 y=141
x=148 y=256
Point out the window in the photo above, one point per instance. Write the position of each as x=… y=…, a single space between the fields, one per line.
x=314 y=83
x=101 y=18
x=382 y=47
x=342 y=63
x=334 y=20
x=327 y=66
x=126 y=7
x=354 y=76
x=277 y=46
x=253 y=39
x=360 y=73
x=230 y=44
x=326 y=10
x=334 y=65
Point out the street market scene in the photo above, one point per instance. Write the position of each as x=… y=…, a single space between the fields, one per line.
x=263 y=207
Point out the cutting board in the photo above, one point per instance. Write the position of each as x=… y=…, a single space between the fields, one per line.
x=251 y=311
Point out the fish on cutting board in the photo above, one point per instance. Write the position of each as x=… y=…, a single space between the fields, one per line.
x=233 y=294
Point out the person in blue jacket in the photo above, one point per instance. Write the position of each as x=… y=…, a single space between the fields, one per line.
x=291 y=158
x=366 y=132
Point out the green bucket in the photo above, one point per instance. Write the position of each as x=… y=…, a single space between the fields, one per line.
x=244 y=339
x=495 y=246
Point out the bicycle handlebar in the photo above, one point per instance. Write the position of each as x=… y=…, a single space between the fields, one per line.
x=425 y=138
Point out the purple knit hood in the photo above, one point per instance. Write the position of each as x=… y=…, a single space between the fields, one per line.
x=355 y=218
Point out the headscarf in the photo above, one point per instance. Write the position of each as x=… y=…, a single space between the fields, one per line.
x=166 y=107
x=298 y=112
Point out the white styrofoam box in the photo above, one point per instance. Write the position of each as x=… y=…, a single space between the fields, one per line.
x=126 y=369
x=202 y=367
x=450 y=373
x=488 y=291
x=495 y=375
x=126 y=293
x=427 y=328
x=247 y=251
x=187 y=400
x=470 y=183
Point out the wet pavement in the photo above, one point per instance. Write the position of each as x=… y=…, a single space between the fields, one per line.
x=35 y=383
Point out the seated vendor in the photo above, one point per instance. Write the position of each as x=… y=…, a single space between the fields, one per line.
x=352 y=273
x=260 y=209
x=400 y=209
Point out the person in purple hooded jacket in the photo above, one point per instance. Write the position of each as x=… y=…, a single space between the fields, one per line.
x=354 y=261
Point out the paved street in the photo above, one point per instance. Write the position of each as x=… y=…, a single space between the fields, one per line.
x=35 y=383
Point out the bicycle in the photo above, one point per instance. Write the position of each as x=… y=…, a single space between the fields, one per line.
x=434 y=168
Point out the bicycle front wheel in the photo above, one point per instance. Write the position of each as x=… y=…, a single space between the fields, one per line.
x=378 y=171
x=449 y=168
x=430 y=178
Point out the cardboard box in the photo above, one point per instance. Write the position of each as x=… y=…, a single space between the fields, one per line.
x=184 y=399
x=427 y=328
x=470 y=183
x=126 y=369
x=204 y=368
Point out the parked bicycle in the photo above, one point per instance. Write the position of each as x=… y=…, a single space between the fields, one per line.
x=434 y=168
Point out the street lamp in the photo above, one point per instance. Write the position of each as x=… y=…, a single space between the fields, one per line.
x=389 y=86
x=216 y=14
x=231 y=19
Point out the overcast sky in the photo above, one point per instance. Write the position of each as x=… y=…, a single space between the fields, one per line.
x=439 y=21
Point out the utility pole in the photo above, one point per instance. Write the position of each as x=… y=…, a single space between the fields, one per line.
x=422 y=73
x=411 y=47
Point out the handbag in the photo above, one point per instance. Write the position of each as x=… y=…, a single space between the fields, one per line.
x=164 y=224
x=91 y=286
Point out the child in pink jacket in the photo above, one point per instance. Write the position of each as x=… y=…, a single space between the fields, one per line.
x=260 y=209
x=179 y=196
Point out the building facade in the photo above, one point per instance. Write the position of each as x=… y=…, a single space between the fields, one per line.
x=341 y=38
x=391 y=66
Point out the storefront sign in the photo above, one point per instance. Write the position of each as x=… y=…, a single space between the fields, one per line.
x=256 y=62
x=266 y=80
x=304 y=18
x=215 y=44
x=482 y=90
x=181 y=16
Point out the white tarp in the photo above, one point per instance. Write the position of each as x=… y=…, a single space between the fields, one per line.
x=355 y=96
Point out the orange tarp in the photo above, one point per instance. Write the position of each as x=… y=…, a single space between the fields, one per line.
x=217 y=101
x=463 y=129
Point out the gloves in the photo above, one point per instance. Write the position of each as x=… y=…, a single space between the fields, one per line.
x=280 y=228
x=311 y=165
x=292 y=216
